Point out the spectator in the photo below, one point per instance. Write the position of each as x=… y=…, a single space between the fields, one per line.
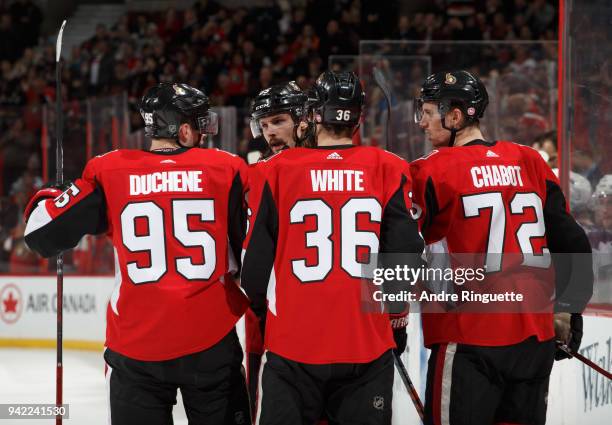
x=584 y=163
x=541 y=15
x=27 y=18
x=547 y=143
x=10 y=43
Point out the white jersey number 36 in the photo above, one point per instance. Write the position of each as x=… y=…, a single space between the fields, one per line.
x=321 y=238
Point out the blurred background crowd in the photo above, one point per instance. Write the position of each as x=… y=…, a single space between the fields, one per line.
x=234 y=52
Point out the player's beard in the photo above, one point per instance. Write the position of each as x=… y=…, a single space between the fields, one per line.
x=277 y=144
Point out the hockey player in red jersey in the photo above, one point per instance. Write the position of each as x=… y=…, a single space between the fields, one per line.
x=176 y=217
x=502 y=200
x=316 y=209
x=278 y=114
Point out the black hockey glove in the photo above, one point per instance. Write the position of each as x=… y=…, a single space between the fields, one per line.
x=398 y=324
x=575 y=337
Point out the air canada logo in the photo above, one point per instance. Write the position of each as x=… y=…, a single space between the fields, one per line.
x=11 y=303
x=450 y=79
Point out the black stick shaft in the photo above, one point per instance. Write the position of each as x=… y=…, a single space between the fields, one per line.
x=59 y=178
x=414 y=395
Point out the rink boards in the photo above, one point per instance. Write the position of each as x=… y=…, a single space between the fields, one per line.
x=28 y=319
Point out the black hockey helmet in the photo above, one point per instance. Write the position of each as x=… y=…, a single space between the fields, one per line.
x=455 y=89
x=278 y=99
x=166 y=106
x=337 y=98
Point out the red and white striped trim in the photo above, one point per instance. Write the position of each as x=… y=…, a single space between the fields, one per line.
x=259 y=386
x=443 y=384
x=107 y=375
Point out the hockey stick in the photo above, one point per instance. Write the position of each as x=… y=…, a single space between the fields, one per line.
x=59 y=177
x=382 y=83
x=589 y=363
x=409 y=386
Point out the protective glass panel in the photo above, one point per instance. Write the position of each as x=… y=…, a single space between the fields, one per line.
x=108 y=124
x=401 y=76
x=521 y=79
x=20 y=176
x=587 y=61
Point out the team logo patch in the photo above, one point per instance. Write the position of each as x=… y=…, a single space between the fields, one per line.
x=179 y=90
x=471 y=110
x=450 y=79
x=378 y=402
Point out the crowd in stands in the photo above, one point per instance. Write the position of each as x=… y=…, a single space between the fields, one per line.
x=232 y=53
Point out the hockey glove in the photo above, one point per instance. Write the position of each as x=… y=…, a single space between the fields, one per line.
x=575 y=337
x=398 y=324
x=50 y=192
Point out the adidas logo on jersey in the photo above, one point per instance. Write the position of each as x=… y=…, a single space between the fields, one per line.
x=491 y=154
x=334 y=155
x=167 y=161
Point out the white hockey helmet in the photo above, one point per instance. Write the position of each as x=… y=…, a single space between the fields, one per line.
x=580 y=190
x=604 y=187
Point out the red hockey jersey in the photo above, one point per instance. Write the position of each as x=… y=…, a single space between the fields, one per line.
x=495 y=199
x=176 y=220
x=315 y=213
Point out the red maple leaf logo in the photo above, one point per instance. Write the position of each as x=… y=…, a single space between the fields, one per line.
x=10 y=304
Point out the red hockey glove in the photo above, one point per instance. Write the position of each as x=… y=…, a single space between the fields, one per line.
x=41 y=195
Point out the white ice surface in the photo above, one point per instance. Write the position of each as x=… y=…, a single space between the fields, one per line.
x=28 y=376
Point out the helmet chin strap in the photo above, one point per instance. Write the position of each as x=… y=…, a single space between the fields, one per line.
x=178 y=141
x=309 y=133
x=453 y=131
x=300 y=141
x=453 y=135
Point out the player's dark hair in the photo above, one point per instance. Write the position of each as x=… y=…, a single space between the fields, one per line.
x=549 y=135
x=339 y=130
